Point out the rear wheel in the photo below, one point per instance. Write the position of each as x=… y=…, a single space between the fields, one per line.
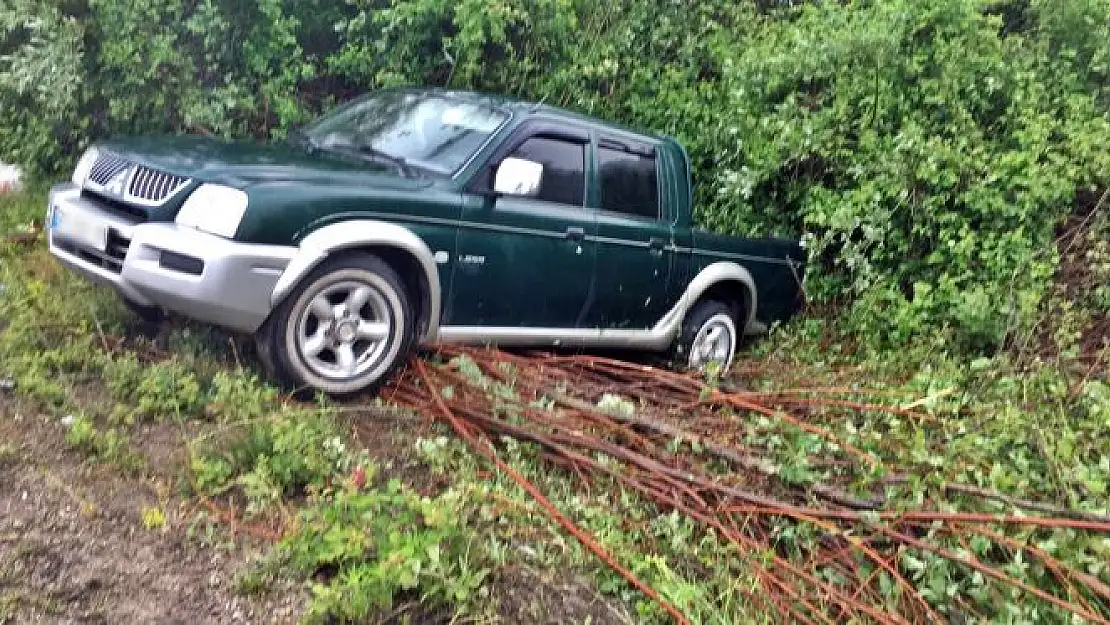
x=343 y=330
x=709 y=335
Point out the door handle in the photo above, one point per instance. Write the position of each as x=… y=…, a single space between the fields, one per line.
x=657 y=243
x=575 y=233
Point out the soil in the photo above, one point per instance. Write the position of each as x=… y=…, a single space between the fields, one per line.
x=1072 y=288
x=74 y=549
x=528 y=595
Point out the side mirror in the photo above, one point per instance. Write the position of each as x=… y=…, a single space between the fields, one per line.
x=518 y=176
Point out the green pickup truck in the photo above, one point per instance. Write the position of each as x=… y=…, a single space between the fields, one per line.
x=414 y=216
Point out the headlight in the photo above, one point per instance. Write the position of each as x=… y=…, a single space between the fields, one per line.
x=84 y=166
x=215 y=209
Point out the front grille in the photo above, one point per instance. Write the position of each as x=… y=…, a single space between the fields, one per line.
x=153 y=185
x=116 y=179
x=106 y=167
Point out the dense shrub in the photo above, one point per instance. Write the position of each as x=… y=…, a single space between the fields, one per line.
x=928 y=147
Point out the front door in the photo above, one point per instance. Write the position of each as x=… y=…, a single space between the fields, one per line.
x=528 y=261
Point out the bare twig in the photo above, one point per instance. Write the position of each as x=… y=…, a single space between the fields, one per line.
x=983 y=493
x=634 y=449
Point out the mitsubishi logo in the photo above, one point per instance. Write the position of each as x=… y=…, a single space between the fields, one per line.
x=117 y=182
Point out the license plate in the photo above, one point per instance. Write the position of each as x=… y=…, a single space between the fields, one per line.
x=80 y=228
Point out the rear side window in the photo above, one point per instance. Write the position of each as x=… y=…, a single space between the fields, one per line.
x=629 y=182
x=564 y=165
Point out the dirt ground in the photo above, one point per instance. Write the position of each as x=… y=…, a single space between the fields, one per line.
x=74 y=549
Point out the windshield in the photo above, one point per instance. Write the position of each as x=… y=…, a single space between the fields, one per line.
x=430 y=131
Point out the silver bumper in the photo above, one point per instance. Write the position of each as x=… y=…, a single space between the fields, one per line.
x=197 y=275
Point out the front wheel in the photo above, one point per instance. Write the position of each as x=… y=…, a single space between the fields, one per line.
x=343 y=330
x=148 y=314
x=708 y=337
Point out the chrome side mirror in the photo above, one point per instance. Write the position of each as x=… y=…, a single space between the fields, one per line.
x=518 y=176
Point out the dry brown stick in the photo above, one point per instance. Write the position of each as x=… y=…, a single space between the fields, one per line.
x=648 y=466
x=951 y=517
x=1095 y=584
x=1098 y=519
x=863 y=546
x=656 y=468
x=722 y=451
x=707 y=518
x=645 y=463
x=984 y=493
x=975 y=564
x=590 y=412
x=796 y=596
x=740 y=402
x=785 y=565
x=672 y=477
x=856 y=406
x=586 y=539
x=1072 y=592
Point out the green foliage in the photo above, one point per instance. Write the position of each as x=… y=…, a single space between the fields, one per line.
x=111 y=446
x=289 y=453
x=382 y=543
x=42 y=83
x=929 y=158
x=927 y=149
x=157 y=390
x=697 y=571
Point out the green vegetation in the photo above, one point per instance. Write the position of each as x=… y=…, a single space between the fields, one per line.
x=928 y=148
x=372 y=541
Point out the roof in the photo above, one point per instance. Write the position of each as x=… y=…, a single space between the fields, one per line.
x=526 y=108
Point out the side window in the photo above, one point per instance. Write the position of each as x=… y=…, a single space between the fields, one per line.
x=564 y=166
x=629 y=183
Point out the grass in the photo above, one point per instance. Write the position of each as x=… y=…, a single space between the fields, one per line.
x=373 y=539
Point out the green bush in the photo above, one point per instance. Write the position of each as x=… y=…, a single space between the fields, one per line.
x=927 y=148
x=286 y=454
x=383 y=543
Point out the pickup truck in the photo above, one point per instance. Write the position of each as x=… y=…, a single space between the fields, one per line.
x=408 y=217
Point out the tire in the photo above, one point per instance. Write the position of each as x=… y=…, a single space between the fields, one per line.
x=315 y=339
x=148 y=314
x=703 y=319
x=263 y=347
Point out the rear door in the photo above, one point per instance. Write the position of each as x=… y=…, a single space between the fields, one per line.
x=528 y=261
x=635 y=236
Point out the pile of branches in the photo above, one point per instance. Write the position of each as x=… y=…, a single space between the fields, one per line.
x=667 y=440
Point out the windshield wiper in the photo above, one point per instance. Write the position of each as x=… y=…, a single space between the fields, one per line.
x=399 y=162
x=372 y=154
x=305 y=140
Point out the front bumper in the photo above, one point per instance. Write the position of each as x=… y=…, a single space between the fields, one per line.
x=180 y=269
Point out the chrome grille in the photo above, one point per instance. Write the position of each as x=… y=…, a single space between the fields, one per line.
x=153 y=185
x=106 y=167
x=119 y=180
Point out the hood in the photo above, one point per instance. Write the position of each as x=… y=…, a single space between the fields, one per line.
x=242 y=164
